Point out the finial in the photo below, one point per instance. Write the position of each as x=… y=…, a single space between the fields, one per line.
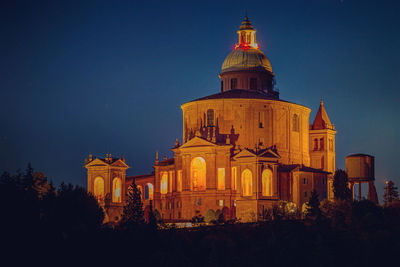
x=156 y=156
x=123 y=158
x=177 y=142
x=246 y=14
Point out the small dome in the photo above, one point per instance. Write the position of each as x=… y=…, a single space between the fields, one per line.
x=246 y=59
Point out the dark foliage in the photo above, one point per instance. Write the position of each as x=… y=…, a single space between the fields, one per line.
x=133 y=210
x=341 y=190
x=391 y=194
x=65 y=225
x=313 y=209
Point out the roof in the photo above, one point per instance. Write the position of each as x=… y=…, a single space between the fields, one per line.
x=249 y=59
x=291 y=167
x=240 y=93
x=321 y=120
x=166 y=162
x=359 y=155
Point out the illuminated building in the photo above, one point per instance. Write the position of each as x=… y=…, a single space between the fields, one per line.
x=243 y=149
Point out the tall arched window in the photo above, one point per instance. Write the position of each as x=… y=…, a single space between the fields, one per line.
x=164 y=183
x=267 y=182
x=148 y=191
x=247 y=183
x=198 y=174
x=295 y=123
x=210 y=117
x=116 y=193
x=315 y=144
x=98 y=189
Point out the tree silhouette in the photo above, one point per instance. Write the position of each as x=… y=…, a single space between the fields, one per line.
x=341 y=190
x=313 y=209
x=133 y=210
x=391 y=194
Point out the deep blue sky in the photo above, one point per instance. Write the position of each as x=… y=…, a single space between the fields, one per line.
x=80 y=77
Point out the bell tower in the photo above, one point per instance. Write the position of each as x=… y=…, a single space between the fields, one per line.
x=322 y=145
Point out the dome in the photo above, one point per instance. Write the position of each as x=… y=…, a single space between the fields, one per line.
x=246 y=59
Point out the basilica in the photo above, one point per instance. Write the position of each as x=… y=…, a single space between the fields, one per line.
x=243 y=151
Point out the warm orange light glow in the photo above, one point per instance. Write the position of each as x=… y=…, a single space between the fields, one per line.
x=140 y=190
x=116 y=195
x=170 y=178
x=234 y=178
x=267 y=182
x=198 y=174
x=164 y=183
x=179 y=181
x=98 y=190
x=247 y=183
x=221 y=179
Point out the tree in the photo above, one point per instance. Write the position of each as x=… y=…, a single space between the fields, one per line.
x=152 y=221
x=313 y=209
x=341 y=190
x=133 y=210
x=391 y=194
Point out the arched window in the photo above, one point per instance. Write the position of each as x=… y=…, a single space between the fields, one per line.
x=198 y=174
x=221 y=179
x=247 y=183
x=164 y=183
x=116 y=193
x=267 y=182
x=233 y=83
x=210 y=117
x=98 y=189
x=148 y=191
x=295 y=123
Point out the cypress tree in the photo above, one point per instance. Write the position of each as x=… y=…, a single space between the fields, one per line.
x=133 y=210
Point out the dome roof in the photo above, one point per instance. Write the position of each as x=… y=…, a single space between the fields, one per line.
x=246 y=59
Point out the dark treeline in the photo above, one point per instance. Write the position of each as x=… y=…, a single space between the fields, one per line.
x=65 y=224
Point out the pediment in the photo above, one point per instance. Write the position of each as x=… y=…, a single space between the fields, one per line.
x=119 y=163
x=96 y=162
x=197 y=142
x=244 y=154
x=269 y=153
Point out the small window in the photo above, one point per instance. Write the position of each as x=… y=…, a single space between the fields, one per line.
x=315 y=144
x=198 y=202
x=253 y=83
x=222 y=86
x=233 y=83
x=305 y=193
x=304 y=180
x=321 y=144
x=210 y=117
x=221 y=202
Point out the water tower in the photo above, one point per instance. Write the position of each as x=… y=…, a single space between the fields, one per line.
x=360 y=169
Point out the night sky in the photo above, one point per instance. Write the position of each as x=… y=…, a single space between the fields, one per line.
x=80 y=77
